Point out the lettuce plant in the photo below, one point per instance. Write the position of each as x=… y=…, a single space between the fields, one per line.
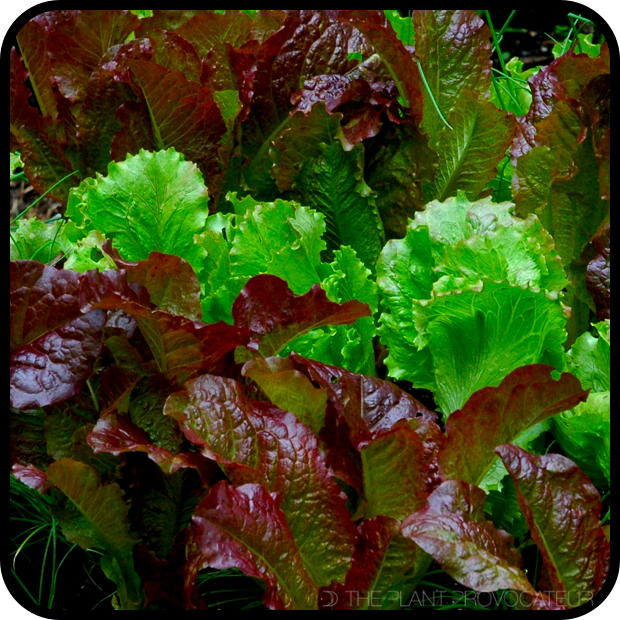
x=470 y=294
x=205 y=348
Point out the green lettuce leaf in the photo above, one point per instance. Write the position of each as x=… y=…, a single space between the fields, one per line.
x=37 y=240
x=15 y=163
x=150 y=202
x=584 y=433
x=470 y=294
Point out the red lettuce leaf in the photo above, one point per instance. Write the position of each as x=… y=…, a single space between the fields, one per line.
x=182 y=348
x=53 y=344
x=77 y=41
x=170 y=280
x=62 y=51
x=309 y=44
x=190 y=121
x=453 y=530
x=598 y=272
x=275 y=316
x=564 y=79
x=42 y=300
x=527 y=396
x=374 y=538
x=398 y=60
x=116 y=434
x=560 y=504
x=245 y=528
x=255 y=442
x=454 y=48
x=56 y=366
x=395 y=473
x=362 y=408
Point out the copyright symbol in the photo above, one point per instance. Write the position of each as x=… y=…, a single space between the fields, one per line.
x=328 y=599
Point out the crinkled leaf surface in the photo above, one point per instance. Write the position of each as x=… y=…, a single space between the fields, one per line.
x=585 y=432
x=469 y=153
x=190 y=122
x=472 y=294
x=395 y=473
x=286 y=240
x=53 y=343
x=258 y=443
x=289 y=389
x=362 y=408
x=279 y=238
x=334 y=184
x=561 y=504
x=527 y=396
x=454 y=48
x=181 y=347
x=152 y=202
x=598 y=279
x=310 y=43
x=55 y=366
x=398 y=60
x=171 y=282
x=37 y=240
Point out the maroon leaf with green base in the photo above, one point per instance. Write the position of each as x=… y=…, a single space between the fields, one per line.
x=495 y=416
x=453 y=530
x=560 y=504
x=181 y=347
x=454 y=48
x=190 y=121
x=361 y=408
x=170 y=280
x=245 y=528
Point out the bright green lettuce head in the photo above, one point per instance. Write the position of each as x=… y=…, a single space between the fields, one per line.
x=470 y=294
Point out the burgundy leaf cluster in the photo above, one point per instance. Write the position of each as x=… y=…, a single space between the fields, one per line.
x=362 y=505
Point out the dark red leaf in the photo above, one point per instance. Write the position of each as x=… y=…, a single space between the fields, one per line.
x=255 y=442
x=598 y=272
x=170 y=280
x=182 y=348
x=42 y=299
x=563 y=509
x=55 y=366
x=361 y=408
x=275 y=316
x=116 y=434
x=398 y=59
